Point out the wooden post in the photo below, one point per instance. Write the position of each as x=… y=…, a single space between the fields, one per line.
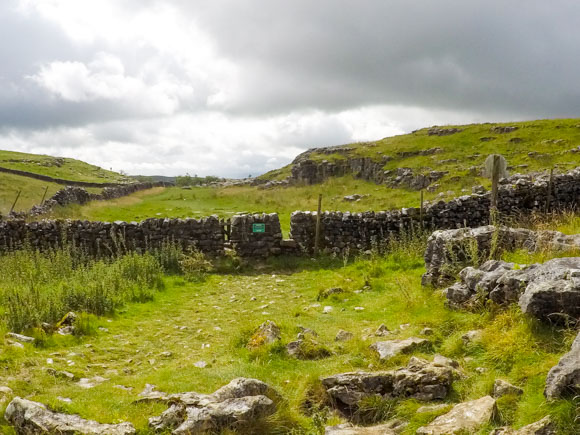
x=421 y=212
x=44 y=196
x=317 y=234
x=15 y=201
x=494 y=189
x=550 y=187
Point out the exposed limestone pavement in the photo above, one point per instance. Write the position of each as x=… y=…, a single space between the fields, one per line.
x=32 y=418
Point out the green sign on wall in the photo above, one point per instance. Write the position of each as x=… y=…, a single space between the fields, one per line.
x=258 y=228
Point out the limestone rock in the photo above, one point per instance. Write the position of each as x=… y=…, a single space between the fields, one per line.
x=5 y=394
x=564 y=378
x=466 y=417
x=449 y=249
x=502 y=388
x=548 y=291
x=20 y=338
x=229 y=413
x=391 y=428
x=32 y=418
x=382 y=330
x=545 y=426
x=233 y=406
x=267 y=333
x=391 y=348
x=421 y=380
x=343 y=335
x=557 y=300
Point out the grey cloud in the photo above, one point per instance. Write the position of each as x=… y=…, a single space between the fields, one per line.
x=516 y=56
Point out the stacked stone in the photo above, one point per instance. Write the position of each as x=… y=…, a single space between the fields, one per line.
x=106 y=238
x=248 y=243
x=360 y=231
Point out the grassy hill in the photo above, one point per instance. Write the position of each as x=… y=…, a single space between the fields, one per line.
x=32 y=189
x=533 y=146
x=59 y=167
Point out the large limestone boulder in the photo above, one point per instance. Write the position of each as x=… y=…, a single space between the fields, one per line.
x=390 y=348
x=545 y=426
x=564 y=378
x=548 y=291
x=421 y=380
x=466 y=417
x=32 y=418
x=233 y=406
x=446 y=248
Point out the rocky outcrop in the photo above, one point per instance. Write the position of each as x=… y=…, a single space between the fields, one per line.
x=406 y=177
x=466 y=417
x=502 y=129
x=436 y=131
x=32 y=418
x=548 y=291
x=235 y=406
x=564 y=378
x=390 y=348
x=448 y=248
x=421 y=380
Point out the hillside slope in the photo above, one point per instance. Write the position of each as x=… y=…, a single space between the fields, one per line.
x=441 y=158
x=32 y=190
x=59 y=167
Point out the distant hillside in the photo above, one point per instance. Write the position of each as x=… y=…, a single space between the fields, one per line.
x=440 y=158
x=59 y=167
x=32 y=190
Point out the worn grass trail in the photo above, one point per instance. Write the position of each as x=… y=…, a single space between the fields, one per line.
x=211 y=321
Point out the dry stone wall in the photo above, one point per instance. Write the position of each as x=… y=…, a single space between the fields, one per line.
x=257 y=235
x=104 y=238
x=517 y=195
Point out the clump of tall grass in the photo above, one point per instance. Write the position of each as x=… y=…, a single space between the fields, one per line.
x=38 y=287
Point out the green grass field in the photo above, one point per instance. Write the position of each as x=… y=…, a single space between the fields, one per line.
x=211 y=320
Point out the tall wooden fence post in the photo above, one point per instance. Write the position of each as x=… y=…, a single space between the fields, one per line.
x=550 y=187
x=317 y=233
x=44 y=196
x=15 y=201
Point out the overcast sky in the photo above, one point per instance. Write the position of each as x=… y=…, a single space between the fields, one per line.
x=238 y=87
